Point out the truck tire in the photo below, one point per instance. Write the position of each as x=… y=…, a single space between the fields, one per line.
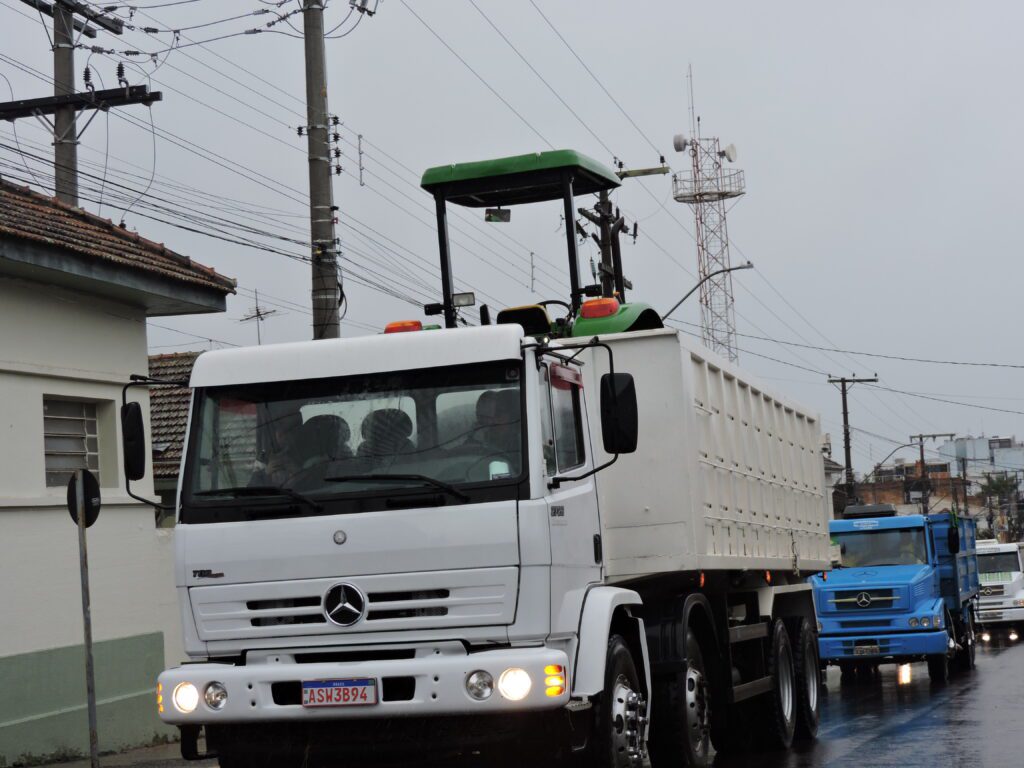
x=781 y=714
x=681 y=735
x=938 y=668
x=614 y=717
x=805 y=660
x=965 y=657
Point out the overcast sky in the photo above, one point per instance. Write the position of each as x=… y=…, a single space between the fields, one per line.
x=880 y=141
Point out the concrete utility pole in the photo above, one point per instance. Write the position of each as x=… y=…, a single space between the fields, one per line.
x=321 y=196
x=66 y=102
x=844 y=387
x=926 y=485
x=65 y=132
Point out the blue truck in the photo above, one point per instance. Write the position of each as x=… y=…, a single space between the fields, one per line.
x=902 y=589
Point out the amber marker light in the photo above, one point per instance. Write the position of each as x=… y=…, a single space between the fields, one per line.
x=554 y=680
x=599 y=308
x=403 y=326
x=160 y=698
x=702 y=579
x=768 y=576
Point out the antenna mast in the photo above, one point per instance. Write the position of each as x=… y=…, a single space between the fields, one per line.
x=706 y=187
x=259 y=315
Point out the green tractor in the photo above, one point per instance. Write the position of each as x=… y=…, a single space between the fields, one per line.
x=540 y=177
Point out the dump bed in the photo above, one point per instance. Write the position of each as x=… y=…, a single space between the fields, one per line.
x=958 y=570
x=727 y=474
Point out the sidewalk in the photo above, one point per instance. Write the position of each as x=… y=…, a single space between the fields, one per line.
x=163 y=756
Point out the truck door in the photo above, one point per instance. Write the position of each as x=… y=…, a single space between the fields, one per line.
x=572 y=507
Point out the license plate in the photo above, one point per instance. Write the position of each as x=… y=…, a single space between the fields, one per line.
x=351 y=692
x=865 y=650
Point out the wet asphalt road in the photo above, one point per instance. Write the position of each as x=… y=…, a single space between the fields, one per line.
x=976 y=721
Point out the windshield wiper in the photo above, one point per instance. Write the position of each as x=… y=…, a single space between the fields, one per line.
x=388 y=478
x=262 y=490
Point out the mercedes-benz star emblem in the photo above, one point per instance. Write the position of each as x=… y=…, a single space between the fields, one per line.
x=987 y=591
x=344 y=605
x=863 y=599
x=340 y=537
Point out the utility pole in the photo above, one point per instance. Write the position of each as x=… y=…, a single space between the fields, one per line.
x=66 y=102
x=321 y=196
x=925 y=481
x=844 y=386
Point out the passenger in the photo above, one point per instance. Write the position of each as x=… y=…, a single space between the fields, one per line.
x=280 y=442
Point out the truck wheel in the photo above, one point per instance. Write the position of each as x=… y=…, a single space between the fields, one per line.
x=780 y=725
x=805 y=660
x=938 y=668
x=965 y=657
x=616 y=713
x=682 y=731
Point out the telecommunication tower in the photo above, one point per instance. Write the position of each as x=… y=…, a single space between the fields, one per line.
x=705 y=187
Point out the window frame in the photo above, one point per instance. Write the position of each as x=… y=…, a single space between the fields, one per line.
x=574 y=381
x=93 y=459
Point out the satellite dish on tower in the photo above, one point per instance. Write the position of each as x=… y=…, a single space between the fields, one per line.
x=680 y=142
x=730 y=153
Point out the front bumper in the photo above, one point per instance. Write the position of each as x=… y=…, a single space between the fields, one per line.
x=895 y=646
x=994 y=615
x=430 y=683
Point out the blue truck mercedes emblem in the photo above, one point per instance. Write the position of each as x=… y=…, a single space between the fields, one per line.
x=344 y=605
x=863 y=599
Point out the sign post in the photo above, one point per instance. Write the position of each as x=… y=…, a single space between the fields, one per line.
x=84 y=506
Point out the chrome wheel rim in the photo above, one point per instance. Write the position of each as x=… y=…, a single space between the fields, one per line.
x=698 y=711
x=811 y=677
x=628 y=714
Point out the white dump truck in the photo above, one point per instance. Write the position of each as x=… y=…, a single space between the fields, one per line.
x=585 y=535
x=1001 y=597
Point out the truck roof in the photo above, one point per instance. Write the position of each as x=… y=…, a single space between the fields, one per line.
x=876 y=523
x=361 y=355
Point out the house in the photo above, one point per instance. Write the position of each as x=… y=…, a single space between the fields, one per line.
x=75 y=295
x=169 y=419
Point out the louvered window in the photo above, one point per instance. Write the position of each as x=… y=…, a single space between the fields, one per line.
x=70 y=439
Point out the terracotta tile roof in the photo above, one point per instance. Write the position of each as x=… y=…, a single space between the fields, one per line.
x=168 y=411
x=28 y=215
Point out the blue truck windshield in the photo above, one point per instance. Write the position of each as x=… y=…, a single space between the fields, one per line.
x=894 y=546
x=454 y=433
x=998 y=562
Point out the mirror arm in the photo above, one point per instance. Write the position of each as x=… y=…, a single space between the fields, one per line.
x=138 y=380
x=557 y=481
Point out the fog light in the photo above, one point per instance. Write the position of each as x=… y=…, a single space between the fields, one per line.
x=913 y=621
x=925 y=621
x=216 y=695
x=514 y=684
x=904 y=675
x=985 y=637
x=1013 y=636
x=480 y=685
x=185 y=698
x=554 y=680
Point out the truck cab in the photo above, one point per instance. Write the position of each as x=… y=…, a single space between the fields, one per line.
x=1001 y=603
x=902 y=590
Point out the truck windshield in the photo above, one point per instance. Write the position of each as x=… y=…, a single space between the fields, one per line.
x=348 y=444
x=998 y=562
x=900 y=546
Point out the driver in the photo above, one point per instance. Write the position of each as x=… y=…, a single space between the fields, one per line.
x=499 y=430
x=280 y=440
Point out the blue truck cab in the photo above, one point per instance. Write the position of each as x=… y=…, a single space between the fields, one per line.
x=902 y=589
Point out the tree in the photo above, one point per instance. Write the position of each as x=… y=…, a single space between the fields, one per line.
x=1000 y=493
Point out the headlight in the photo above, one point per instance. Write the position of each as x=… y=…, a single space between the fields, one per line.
x=185 y=698
x=216 y=695
x=938 y=621
x=925 y=621
x=514 y=684
x=1018 y=603
x=480 y=685
x=913 y=621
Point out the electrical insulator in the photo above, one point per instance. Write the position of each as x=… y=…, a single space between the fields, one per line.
x=87 y=77
x=120 y=70
x=337 y=170
x=335 y=120
x=335 y=137
x=337 y=153
x=301 y=130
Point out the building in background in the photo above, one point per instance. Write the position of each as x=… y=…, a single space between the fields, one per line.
x=168 y=415
x=75 y=294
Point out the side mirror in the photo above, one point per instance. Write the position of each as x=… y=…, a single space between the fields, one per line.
x=619 y=423
x=133 y=436
x=953 y=540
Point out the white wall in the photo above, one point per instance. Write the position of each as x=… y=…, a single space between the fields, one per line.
x=55 y=342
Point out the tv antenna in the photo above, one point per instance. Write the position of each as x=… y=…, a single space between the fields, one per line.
x=258 y=314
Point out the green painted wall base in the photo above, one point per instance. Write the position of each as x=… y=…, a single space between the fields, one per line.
x=43 y=711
